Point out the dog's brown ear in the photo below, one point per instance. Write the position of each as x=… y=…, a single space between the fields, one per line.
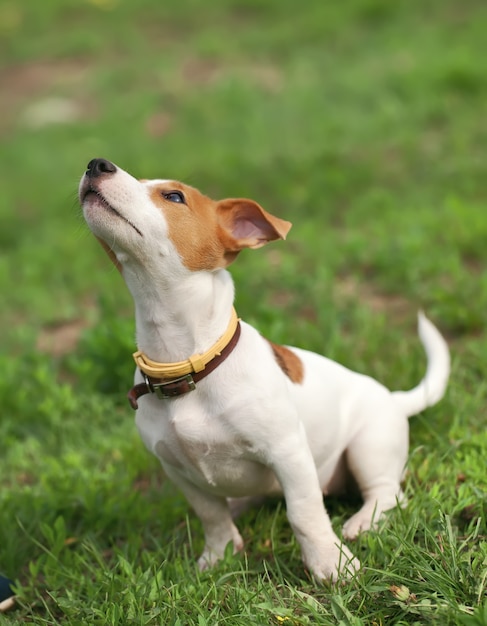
x=246 y=224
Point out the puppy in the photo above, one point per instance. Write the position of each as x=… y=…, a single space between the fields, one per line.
x=229 y=414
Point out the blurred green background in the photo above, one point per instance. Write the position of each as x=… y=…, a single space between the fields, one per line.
x=363 y=122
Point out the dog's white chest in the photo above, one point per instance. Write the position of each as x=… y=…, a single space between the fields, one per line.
x=202 y=449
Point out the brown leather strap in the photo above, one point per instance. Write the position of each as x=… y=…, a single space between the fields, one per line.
x=170 y=388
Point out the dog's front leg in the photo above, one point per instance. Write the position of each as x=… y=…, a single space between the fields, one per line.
x=322 y=551
x=216 y=519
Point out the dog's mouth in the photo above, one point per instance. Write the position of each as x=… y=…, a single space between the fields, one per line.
x=96 y=196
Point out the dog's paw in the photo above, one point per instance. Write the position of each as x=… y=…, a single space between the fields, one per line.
x=211 y=555
x=372 y=512
x=368 y=517
x=358 y=523
x=206 y=561
x=209 y=558
x=336 y=563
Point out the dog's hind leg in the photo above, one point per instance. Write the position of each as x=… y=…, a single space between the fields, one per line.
x=376 y=459
x=376 y=502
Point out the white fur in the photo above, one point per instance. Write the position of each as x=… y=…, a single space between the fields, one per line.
x=247 y=429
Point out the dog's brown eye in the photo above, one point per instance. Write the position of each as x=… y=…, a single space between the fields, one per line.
x=174 y=196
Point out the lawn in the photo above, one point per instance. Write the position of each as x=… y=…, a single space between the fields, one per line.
x=362 y=122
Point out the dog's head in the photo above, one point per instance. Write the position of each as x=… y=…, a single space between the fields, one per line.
x=146 y=220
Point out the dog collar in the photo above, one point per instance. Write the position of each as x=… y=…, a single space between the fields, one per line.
x=168 y=380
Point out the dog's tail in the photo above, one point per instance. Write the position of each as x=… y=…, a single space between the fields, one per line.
x=432 y=388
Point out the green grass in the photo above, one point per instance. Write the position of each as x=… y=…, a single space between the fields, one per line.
x=362 y=122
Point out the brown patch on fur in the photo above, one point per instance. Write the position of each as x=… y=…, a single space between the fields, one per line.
x=207 y=234
x=289 y=362
x=111 y=254
x=193 y=226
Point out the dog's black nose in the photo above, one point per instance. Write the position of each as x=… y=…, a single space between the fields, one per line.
x=97 y=167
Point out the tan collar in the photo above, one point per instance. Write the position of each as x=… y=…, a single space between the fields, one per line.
x=196 y=363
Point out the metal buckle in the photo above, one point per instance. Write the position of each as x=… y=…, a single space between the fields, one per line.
x=158 y=388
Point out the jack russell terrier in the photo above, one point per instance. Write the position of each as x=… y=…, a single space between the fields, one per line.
x=229 y=414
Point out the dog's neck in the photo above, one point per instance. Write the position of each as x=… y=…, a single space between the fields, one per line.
x=175 y=319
